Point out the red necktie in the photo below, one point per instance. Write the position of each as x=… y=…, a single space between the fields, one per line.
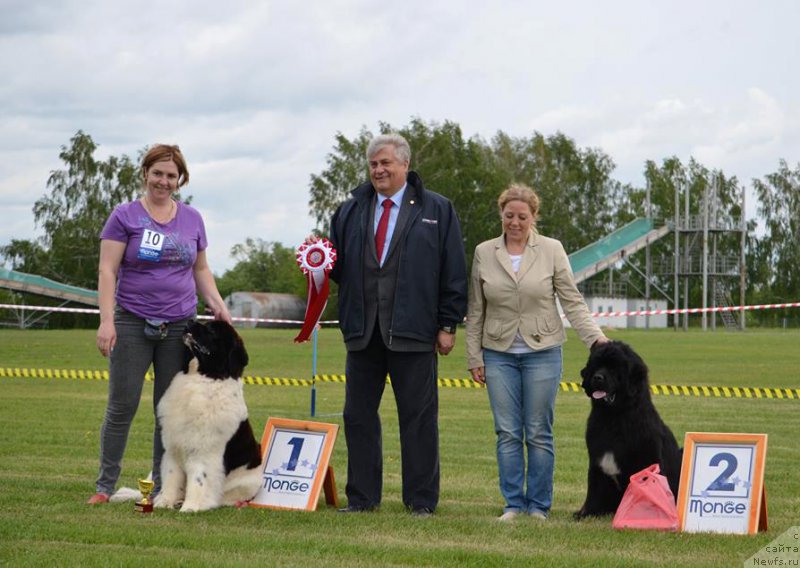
x=383 y=224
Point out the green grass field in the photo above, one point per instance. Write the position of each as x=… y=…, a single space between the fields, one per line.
x=49 y=431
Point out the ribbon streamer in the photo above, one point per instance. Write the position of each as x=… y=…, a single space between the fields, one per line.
x=316 y=261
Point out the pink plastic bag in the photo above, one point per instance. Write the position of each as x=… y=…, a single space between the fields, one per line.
x=647 y=503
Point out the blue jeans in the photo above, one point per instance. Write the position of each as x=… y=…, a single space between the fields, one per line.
x=522 y=392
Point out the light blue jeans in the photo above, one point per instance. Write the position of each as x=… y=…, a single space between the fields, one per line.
x=522 y=392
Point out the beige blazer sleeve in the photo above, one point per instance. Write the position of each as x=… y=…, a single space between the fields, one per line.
x=502 y=302
x=475 y=314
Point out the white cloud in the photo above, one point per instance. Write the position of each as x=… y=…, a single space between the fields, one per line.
x=745 y=135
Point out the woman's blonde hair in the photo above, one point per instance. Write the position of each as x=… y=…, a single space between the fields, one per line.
x=520 y=192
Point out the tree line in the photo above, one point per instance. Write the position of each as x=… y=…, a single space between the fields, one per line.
x=580 y=203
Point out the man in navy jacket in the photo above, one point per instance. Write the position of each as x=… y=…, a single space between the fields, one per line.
x=396 y=311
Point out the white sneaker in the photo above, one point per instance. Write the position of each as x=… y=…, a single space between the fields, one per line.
x=537 y=515
x=508 y=516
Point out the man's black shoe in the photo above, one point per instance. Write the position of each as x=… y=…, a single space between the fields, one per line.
x=421 y=512
x=356 y=509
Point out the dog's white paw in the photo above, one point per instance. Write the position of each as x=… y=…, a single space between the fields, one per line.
x=160 y=502
x=194 y=507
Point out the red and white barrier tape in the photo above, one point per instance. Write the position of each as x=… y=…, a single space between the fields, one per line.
x=696 y=310
x=300 y=322
x=96 y=311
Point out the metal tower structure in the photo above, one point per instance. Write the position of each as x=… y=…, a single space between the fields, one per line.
x=696 y=256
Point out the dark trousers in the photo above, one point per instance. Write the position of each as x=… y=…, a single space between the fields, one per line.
x=413 y=376
x=132 y=356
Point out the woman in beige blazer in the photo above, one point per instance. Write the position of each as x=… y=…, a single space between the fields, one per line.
x=514 y=338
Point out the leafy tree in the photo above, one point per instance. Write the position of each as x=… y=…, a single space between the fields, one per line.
x=460 y=169
x=263 y=267
x=448 y=164
x=26 y=256
x=346 y=170
x=579 y=197
x=81 y=197
x=80 y=200
x=776 y=256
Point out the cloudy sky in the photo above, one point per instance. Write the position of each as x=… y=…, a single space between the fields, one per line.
x=255 y=91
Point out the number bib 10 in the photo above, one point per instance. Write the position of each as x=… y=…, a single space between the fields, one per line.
x=151 y=246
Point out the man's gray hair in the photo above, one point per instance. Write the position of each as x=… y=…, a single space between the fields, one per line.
x=401 y=148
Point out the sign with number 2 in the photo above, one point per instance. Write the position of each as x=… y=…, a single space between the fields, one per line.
x=722 y=483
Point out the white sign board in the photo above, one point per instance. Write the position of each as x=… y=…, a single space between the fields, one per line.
x=722 y=483
x=296 y=458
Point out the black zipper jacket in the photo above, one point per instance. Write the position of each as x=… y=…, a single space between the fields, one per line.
x=431 y=289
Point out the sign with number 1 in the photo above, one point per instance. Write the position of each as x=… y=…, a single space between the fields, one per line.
x=296 y=458
x=722 y=483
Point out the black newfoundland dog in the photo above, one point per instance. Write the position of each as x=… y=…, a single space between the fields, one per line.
x=624 y=433
x=211 y=455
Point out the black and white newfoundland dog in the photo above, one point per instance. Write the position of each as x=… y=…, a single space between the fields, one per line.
x=624 y=433
x=211 y=456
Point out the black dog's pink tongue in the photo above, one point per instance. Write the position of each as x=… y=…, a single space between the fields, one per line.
x=597 y=395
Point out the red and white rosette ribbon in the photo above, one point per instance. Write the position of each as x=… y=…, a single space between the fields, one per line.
x=316 y=261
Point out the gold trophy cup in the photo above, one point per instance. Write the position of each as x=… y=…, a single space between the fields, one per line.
x=145 y=505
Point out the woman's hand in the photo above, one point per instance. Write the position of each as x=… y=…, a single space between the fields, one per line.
x=478 y=375
x=221 y=313
x=106 y=337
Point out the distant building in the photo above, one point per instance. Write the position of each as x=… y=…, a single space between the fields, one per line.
x=602 y=304
x=266 y=305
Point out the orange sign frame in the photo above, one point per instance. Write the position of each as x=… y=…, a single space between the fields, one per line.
x=716 y=507
x=285 y=489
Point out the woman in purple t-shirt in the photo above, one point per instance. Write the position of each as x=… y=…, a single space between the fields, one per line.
x=152 y=265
